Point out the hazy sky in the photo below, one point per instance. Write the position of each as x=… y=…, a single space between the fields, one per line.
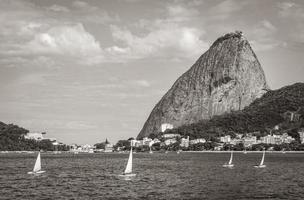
x=84 y=71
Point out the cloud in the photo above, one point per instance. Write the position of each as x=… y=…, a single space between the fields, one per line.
x=169 y=37
x=84 y=5
x=66 y=41
x=167 y=40
x=264 y=32
x=285 y=8
x=142 y=83
x=225 y=9
x=179 y=13
x=264 y=29
x=58 y=8
x=80 y=125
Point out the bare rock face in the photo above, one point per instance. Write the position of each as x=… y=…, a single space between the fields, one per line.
x=227 y=77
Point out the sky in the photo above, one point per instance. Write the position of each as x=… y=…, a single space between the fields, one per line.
x=84 y=71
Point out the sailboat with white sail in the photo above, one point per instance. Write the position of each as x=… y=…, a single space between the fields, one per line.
x=245 y=151
x=128 y=169
x=151 y=152
x=229 y=164
x=261 y=165
x=37 y=166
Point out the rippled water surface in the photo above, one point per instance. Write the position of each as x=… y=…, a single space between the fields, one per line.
x=159 y=176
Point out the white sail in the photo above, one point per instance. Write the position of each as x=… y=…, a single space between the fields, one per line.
x=262 y=161
x=231 y=157
x=37 y=166
x=128 y=169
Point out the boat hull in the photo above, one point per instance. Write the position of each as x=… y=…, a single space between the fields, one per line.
x=39 y=172
x=127 y=175
x=260 y=166
x=228 y=166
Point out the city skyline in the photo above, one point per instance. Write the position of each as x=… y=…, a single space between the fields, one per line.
x=84 y=71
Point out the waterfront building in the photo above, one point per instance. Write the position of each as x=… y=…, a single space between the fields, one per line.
x=146 y=141
x=287 y=139
x=170 y=141
x=277 y=139
x=239 y=135
x=166 y=126
x=109 y=148
x=249 y=141
x=34 y=136
x=301 y=134
x=156 y=141
x=225 y=139
x=236 y=141
x=268 y=139
x=196 y=141
x=171 y=135
x=185 y=142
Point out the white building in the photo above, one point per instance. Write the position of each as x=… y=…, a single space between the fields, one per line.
x=277 y=139
x=225 y=139
x=171 y=135
x=34 y=136
x=185 y=142
x=249 y=141
x=166 y=126
x=196 y=141
x=170 y=141
x=301 y=134
x=146 y=141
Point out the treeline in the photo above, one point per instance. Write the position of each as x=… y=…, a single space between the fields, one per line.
x=261 y=116
x=12 y=139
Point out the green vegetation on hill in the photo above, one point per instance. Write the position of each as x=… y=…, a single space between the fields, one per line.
x=12 y=139
x=260 y=116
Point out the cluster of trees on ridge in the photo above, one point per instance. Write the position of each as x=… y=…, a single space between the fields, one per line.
x=12 y=139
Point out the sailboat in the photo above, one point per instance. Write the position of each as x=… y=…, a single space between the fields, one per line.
x=261 y=165
x=37 y=166
x=229 y=164
x=150 y=151
x=245 y=151
x=128 y=170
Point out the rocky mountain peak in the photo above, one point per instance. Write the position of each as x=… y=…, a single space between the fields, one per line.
x=226 y=77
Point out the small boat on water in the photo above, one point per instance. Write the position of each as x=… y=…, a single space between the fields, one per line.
x=244 y=152
x=128 y=170
x=261 y=165
x=37 y=166
x=151 y=152
x=179 y=151
x=229 y=164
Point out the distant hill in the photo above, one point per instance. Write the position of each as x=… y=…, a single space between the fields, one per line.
x=261 y=115
x=12 y=139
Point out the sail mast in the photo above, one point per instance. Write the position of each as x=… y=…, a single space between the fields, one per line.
x=231 y=157
x=262 y=161
x=128 y=169
x=37 y=166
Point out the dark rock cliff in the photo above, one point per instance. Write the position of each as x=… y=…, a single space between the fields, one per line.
x=227 y=77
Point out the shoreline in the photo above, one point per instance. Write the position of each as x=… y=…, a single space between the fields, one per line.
x=69 y=152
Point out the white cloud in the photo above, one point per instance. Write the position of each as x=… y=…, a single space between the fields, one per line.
x=264 y=29
x=263 y=45
x=66 y=40
x=170 y=37
x=58 y=8
x=80 y=125
x=224 y=9
x=142 y=83
x=180 y=13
